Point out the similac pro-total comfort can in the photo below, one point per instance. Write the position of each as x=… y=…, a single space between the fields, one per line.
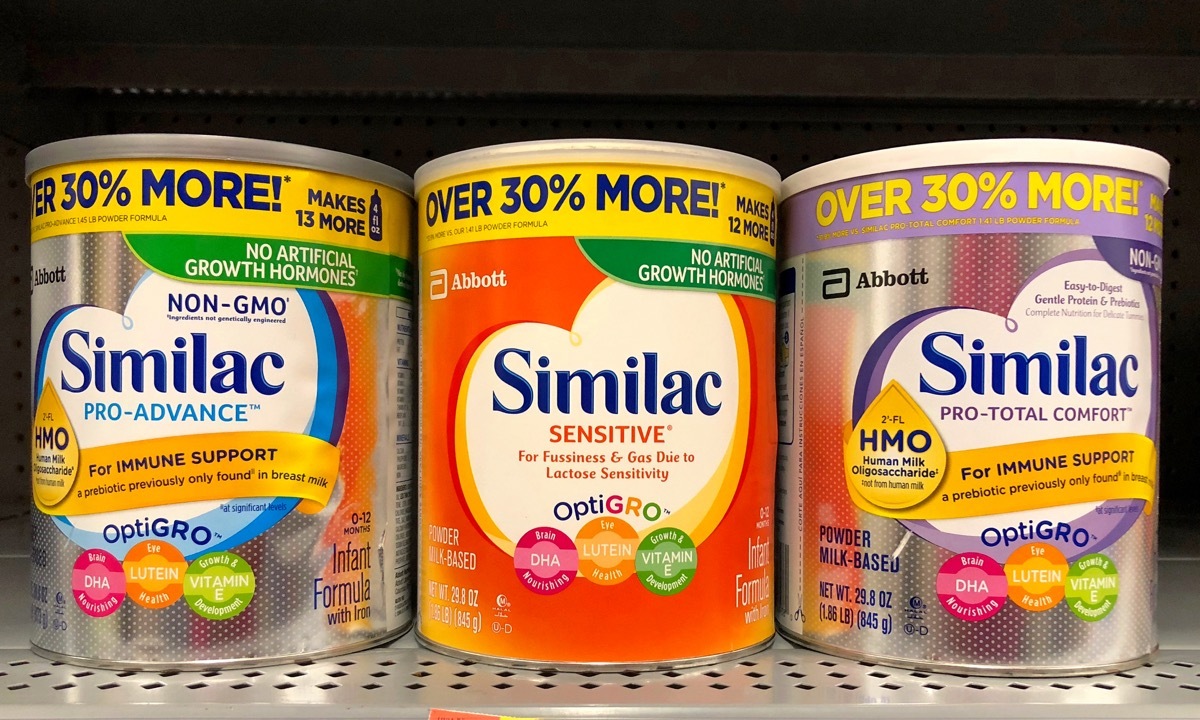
x=598 y=404
x=222 y=365
x=969 y=401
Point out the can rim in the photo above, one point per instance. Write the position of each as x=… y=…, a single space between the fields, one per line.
x=594 y=150
x=213 y=147
x=976 y=152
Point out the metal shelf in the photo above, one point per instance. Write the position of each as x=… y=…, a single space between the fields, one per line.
x=404 y=681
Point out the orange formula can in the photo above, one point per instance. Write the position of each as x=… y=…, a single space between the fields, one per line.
x=597 y=403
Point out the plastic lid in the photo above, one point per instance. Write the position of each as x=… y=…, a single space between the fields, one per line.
x=975 y=152
x=645 y=152
x=213 y=147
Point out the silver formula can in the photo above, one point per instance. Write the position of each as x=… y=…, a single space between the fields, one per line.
x=221 y=445
x=969 y=344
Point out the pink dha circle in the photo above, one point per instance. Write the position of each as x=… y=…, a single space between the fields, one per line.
x=972 y=586
x=546 y=560
x=98 y=583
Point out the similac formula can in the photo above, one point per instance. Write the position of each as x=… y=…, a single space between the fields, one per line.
x=598 y=409
x=222 y=359
x=969 y=401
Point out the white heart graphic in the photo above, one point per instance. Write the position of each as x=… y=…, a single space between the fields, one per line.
x=693 y=332
x=146 y=326
x=1032 y=327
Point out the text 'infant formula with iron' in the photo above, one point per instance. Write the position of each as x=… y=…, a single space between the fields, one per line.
x=222 y=417
x=969 y=405
x=598 y=412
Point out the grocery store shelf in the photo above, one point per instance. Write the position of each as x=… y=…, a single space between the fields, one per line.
x=794 y=83
x=404 y=681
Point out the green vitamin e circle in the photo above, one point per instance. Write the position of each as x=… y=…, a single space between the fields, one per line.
x=219 y=585
x=1092 y=587
x=666 y=561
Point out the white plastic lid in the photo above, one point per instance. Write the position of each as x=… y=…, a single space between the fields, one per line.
x=978 y=152
x=213 y=147
x=642 y=152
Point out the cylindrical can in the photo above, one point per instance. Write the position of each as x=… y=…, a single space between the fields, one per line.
x=222 y=358
x=969 y=385
x=597 y=405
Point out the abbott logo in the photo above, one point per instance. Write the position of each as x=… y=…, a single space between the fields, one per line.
x=437 y=284
x=836 y=283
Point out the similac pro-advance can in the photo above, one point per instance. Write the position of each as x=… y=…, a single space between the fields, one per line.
x=598 y=406
x=222 y=362
x=969 y=392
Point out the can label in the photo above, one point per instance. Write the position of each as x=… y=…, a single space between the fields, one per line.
x=218 y=349
x=972 y=353
x=597 y=419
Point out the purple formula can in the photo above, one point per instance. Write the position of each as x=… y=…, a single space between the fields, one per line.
x=968 y=381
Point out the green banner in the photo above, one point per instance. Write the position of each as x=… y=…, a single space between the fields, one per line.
x=272 y=261
x=683 y=265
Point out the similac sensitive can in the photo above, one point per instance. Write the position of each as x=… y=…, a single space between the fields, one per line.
x=969 y=402
x=222 y=367
x=598 y=411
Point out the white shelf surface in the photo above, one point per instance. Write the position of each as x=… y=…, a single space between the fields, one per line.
x=404 y=681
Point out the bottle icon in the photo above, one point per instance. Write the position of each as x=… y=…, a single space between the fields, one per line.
x=375 y=218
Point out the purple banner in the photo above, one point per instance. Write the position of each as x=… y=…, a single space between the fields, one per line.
x=986 y=198
x=1132 y=258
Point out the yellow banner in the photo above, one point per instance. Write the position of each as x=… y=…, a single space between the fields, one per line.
x=218 y=466
x=608 y=200
x=1011 y=478
x=216 y=197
